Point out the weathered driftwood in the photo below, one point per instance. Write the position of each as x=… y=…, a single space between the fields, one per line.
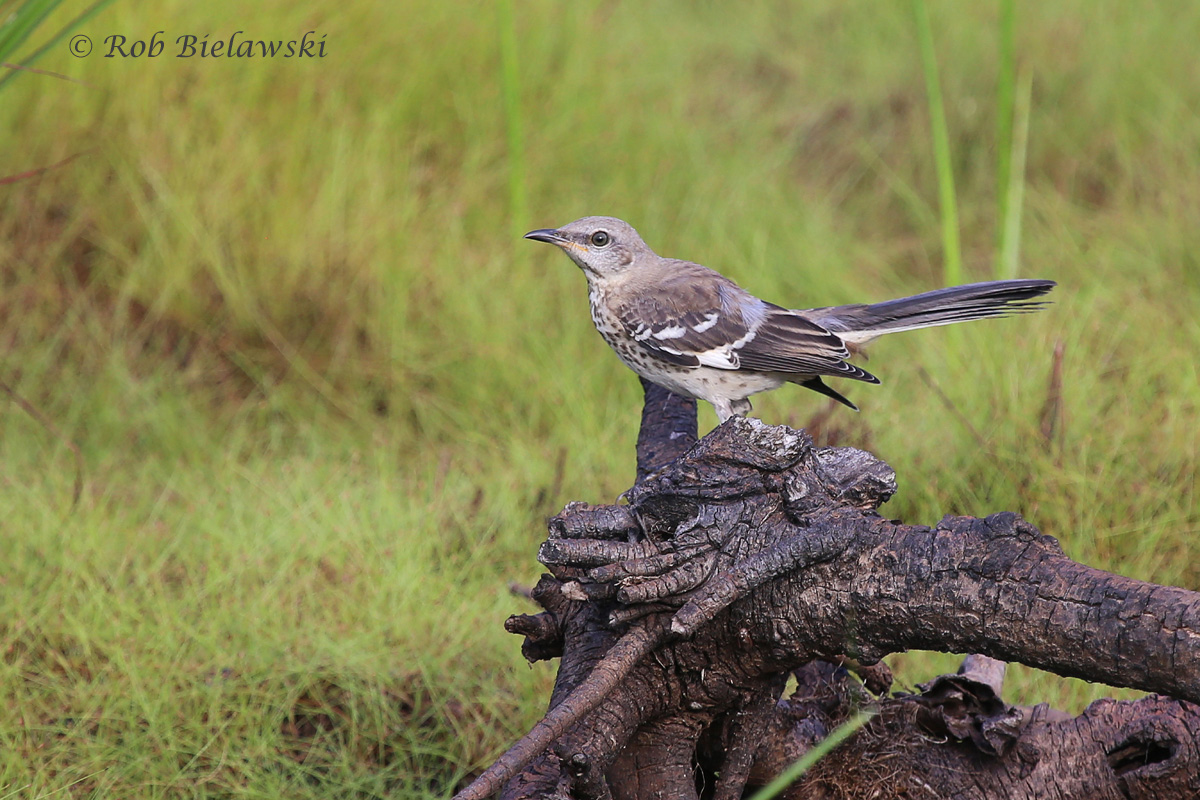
x=753 y=555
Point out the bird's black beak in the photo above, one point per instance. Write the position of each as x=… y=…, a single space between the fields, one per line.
x=547 y=235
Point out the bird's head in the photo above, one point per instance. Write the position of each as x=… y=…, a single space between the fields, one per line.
x=603 y=247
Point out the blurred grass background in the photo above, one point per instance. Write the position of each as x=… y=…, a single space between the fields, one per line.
x=326 y=397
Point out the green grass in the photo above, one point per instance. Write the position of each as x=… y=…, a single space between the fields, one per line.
x=325 y=398
x=947 y=197
x=801 y=765
x=19 y=20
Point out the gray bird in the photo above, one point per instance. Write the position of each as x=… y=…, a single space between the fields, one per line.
x=699 y=334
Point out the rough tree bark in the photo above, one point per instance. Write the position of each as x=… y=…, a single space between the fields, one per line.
x=753 y=555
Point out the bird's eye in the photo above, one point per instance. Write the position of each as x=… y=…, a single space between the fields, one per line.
x=600 y=238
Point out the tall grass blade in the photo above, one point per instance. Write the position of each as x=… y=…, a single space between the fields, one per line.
x=952 y=249
x=510 y=77
x=24 y=21
x=1005 y=95
x=806 y=761
x=1010 y=241
x=7 y=46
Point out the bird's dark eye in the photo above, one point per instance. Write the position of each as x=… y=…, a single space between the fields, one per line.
x=600 y=238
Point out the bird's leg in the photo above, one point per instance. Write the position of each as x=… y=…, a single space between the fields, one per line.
x=727 y=408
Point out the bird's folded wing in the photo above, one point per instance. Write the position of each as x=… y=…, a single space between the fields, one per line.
x=788 y=343
x=716 y=324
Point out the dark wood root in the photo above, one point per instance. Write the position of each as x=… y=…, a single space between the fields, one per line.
x=659 y=760
x=1129 y=750
x=609 y=671
x=985 y=670
x=668 y=428
x=752 y=555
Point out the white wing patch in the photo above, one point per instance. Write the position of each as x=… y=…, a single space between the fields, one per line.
x=674 y=332
x=644 y=332
x=726 y=356
x=709 y=321
x=719 y=358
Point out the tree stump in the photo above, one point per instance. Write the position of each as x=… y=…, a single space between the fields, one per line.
x=751 y=556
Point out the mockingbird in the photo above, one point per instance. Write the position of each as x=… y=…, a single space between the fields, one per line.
x=699 y=334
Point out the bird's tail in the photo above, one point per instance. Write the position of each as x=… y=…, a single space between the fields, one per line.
x=858 y=324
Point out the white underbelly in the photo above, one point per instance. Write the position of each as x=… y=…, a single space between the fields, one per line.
x=707 y=383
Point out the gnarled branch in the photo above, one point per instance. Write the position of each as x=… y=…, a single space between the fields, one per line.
x=753 y=555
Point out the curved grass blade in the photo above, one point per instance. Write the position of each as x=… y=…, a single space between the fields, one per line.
x=26 y=19
x=806 y=761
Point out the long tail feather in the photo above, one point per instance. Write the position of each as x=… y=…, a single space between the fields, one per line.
x=861 y=323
